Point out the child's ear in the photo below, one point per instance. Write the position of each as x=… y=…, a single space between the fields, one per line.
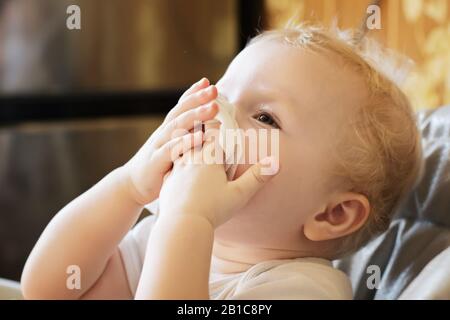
x=344 y=214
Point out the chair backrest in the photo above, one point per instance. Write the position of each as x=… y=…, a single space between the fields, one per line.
x=419 y=231
x=10 y=290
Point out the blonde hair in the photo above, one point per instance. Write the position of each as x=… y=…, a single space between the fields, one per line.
x=385 y=159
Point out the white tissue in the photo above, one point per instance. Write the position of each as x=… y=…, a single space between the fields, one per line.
x=233 y=152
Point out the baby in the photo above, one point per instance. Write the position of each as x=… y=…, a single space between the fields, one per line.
x=349 y=150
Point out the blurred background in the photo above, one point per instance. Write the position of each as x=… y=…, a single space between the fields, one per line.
x=75 y=104
x=418 y=29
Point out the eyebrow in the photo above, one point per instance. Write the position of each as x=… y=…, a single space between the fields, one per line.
x=276 y=95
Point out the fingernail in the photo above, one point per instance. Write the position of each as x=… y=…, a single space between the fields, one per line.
x=213 y=105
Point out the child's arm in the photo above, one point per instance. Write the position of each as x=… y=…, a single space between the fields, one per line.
x=86 y=232
x=177 y=261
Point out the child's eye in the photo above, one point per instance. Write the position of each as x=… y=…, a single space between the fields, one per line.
x=266 y=119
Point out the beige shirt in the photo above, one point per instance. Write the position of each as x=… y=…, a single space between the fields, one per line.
x=292 y=279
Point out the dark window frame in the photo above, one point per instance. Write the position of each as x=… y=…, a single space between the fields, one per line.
x=16 y=108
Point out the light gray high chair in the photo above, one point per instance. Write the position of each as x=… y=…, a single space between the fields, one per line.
x=10 y=290
x=413 y=255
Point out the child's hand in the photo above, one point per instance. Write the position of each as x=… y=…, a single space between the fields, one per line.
x=146 y=170
x=202 y=189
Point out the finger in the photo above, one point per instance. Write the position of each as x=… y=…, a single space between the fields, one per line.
x=191 y=156
x=199 y=85
x=211 y=129
x=186 y=122
x=198 y=98
x=172 y=150
x=243 y=188
x=202 y=83
x=212 y=152
x=197 y=90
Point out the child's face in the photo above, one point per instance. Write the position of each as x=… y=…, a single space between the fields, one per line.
x=309 y=96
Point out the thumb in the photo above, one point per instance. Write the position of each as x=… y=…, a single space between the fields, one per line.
x=243 y=188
